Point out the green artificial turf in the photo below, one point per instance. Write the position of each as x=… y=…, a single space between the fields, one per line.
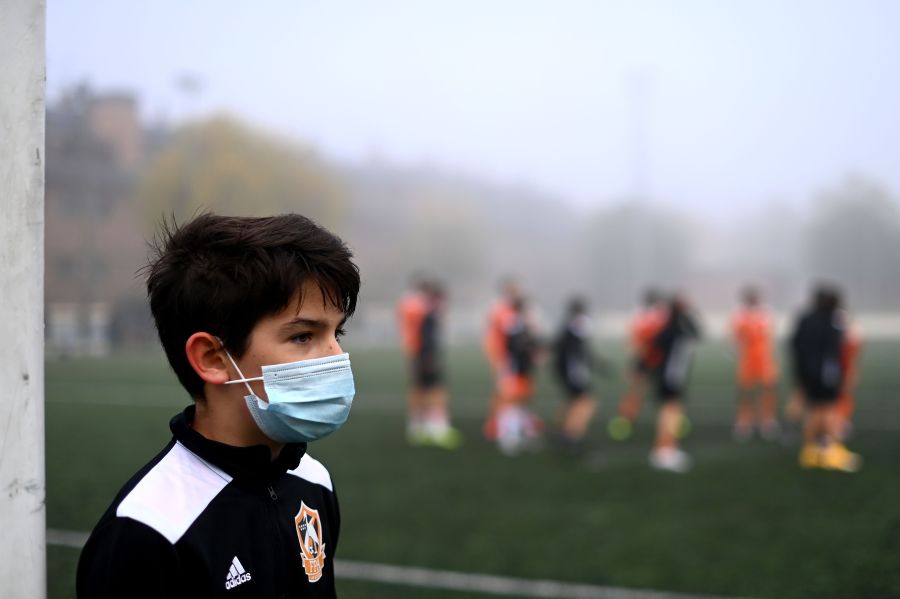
x=745 y=522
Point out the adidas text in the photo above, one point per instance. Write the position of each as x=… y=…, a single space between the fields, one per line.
x=233 y=582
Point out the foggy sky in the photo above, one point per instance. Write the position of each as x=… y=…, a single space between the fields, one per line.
x=713 y=106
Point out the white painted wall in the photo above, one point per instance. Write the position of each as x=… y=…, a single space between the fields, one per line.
x=23 y=555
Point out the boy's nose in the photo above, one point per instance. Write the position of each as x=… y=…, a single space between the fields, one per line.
x=334 y=348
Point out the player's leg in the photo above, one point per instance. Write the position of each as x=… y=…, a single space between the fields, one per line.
x=437 y=426
x=622 y=424
x=845 y=407
x=630 y=406
x=835 y=455
x=579 y=412
x=489 y=429
x=822 y=447
x=415 y=406
x=745 y=412
x=666 y=454
x=768 y=411
x=510 y=416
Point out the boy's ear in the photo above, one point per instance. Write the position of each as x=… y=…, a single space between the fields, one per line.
x=204 y=352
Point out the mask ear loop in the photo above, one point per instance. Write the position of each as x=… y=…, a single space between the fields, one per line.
x=243 y=379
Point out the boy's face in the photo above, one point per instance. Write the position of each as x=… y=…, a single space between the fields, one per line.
x=307 y=328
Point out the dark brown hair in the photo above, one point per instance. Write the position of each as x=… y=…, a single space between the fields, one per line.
x=222 y=274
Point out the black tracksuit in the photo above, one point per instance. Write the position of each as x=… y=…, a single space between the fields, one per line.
x=816 y=346
x=208 y=520
x=573 y=358
x=675 y=344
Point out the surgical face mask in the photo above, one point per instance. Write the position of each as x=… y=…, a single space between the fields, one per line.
x=308 y=400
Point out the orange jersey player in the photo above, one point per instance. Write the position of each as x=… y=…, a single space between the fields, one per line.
x=517 y=426
x=644 y=328
x=494 y=340
x=646 y=358
x=411 y=311
x=757 y=372
x=846 y=402
x=495 y=348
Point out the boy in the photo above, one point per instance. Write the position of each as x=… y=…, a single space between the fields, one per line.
x=757 y=373
x=675 y=344
x=816 y=346
x=574 y=363
x=411 y=311
x=431 y=420
x=517 y=426
x=249 y=312
x=494 y=344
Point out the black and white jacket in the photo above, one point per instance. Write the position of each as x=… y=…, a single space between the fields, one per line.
x=208 y=520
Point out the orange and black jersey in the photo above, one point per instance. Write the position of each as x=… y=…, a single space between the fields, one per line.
x=573 y=358
x=521 y=345
x=674 y=344
x=205 y=520
x=411 y=310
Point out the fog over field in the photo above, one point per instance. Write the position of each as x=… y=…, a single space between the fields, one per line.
x=592 y=148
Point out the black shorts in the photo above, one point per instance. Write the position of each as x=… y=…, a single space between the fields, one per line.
x=575 y=378
x=427 y=372
x=819 y=395
x=673 y=374
x=667 y=391
x=639 y=365
x=821 y=383
x=574 y=389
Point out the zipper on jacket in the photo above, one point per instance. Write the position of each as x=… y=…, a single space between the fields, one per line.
x=272 y=493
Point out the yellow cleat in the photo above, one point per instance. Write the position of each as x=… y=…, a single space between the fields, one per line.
x=416 y=438
x=619 y=428
x=448 y=439
x=837 y=457
x=810 y=456
x=684 y=427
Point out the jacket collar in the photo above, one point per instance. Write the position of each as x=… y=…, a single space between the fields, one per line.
x=252 y=464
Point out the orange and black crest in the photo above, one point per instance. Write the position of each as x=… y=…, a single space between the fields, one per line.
x=312 y=546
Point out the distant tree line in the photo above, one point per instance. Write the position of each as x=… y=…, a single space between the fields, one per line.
x=469 y=233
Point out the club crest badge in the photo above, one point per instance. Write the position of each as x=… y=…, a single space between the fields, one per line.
x=309 y=531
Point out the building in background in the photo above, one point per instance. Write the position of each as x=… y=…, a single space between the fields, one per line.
x=96 y=146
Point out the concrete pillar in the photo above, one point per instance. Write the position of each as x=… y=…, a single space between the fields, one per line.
x=23 y=551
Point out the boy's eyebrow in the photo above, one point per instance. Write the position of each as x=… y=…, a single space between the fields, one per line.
x=312 y=323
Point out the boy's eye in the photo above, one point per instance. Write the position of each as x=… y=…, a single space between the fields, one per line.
x=302 y=338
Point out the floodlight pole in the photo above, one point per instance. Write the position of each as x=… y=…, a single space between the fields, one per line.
x=23 y=548
x=639 y=88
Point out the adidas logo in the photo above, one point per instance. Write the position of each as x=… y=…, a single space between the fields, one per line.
x=236 y=574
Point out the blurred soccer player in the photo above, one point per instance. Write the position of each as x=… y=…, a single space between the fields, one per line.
x=421 y=314
x=429 y=372
x=517 y=426
x=411 y=311
x=494 y=343
x=675 y=344
x=757 y=373
x=846 y=403
x=574 y=362
x=816 y=345
x=645 y=326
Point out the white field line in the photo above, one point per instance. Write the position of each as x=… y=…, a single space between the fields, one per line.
x=443 y=579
